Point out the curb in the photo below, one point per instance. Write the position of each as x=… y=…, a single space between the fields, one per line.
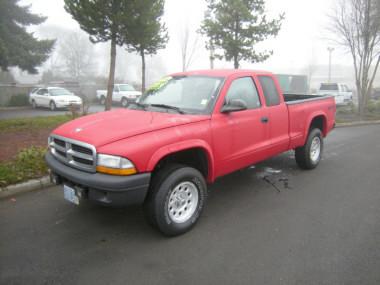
x=357 y=123
x=28 y=186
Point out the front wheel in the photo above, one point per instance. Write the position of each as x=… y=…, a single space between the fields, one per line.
x=52 y=105
x=309 y=155
x=176 y=199
x=34 y=104
x=124 y=102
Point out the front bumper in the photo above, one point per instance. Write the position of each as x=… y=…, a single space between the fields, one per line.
x=110 y=190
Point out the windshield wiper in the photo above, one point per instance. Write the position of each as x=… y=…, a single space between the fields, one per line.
x=179 y=110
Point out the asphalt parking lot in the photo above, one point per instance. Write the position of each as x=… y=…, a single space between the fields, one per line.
x=269 y=224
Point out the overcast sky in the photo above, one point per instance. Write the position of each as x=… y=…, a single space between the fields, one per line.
x=301 y=41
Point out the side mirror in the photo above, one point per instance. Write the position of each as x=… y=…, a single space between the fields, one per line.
x=234 y=106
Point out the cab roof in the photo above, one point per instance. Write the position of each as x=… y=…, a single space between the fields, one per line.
x=219 y=72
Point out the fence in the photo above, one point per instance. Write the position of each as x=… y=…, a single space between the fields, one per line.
x=83 y=90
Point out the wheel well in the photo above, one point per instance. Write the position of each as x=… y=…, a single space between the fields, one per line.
x=318 y=122
x=194 y=157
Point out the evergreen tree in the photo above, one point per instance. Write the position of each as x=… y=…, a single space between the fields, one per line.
x=146 y=33
x=235 y=26
x=103 y=20
x=17 y=46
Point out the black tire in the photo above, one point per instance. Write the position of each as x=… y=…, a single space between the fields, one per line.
x=102 y=100
x=52 y=105
x=124 y=102
x=34 y=104
x=163 y=184
x=304 y=154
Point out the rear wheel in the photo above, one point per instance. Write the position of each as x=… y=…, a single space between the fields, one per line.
x=52 y=106
x=309 y=155
x=176 y=199
x=124 y=102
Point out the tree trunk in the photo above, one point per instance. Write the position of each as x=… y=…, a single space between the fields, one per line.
x=142 y=71
x=111 y=77
x=236 y=62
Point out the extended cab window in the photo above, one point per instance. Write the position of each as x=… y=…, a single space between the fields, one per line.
x=271 y=95
x=244 y=89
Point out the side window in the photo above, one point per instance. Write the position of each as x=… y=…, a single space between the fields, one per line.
x=42 y=92
x=272 y=97
x=244 y=89
x=116 y=88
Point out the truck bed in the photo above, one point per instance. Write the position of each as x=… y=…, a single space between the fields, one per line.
x=302 y=108
x=300 y=98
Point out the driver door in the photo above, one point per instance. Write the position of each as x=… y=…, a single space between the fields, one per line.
x=240 y=138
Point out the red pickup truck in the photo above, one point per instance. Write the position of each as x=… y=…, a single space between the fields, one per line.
x=185 y=131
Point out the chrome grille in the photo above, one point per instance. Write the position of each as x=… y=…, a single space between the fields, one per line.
x=73 y=153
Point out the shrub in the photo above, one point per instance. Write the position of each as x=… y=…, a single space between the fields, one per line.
x=373 y=106
x=18 y=100
x=29 y=163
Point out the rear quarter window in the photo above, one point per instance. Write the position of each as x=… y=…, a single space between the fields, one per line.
x=271 y=95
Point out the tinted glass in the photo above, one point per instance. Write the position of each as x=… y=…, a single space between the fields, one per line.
x=330 y=87
x=272 y=97
x=244 y=89
x=42 y=92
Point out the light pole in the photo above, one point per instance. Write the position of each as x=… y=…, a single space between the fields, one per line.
x=330 y=49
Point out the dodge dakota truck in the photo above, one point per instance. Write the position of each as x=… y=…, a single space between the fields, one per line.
x=183 y=133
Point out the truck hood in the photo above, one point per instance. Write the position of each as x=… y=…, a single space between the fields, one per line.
x=106 y=127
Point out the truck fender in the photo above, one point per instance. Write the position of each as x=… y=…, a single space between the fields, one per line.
x=312 y=117
x=180 y=146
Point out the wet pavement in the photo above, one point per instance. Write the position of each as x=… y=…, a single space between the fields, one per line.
x=269 y=224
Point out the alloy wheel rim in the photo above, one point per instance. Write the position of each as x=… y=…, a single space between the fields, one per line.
x=315 y=149
x=183 y=202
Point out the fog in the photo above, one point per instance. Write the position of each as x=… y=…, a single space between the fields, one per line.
x=300 y=47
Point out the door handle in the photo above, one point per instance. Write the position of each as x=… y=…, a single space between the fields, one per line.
x=264 y=120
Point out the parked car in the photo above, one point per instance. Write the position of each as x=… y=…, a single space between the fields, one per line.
x=185 y=132
x=53 y=98
x=341 y=92
x=122 y=93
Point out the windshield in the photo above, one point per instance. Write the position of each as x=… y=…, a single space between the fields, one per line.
x=330 y=86
x=126 y=87
x=59 y=92
x=187 y=93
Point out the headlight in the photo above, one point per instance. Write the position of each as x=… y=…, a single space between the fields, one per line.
x=114 y=165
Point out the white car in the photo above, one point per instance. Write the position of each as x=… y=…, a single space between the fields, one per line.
x=341 y=92
x=53 y=98
x=122 y=93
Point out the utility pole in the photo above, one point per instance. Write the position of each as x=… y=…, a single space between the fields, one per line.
x=330 y=49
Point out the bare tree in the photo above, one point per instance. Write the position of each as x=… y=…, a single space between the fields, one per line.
x=189 y=46
x=76 y=53
x=357 y=25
